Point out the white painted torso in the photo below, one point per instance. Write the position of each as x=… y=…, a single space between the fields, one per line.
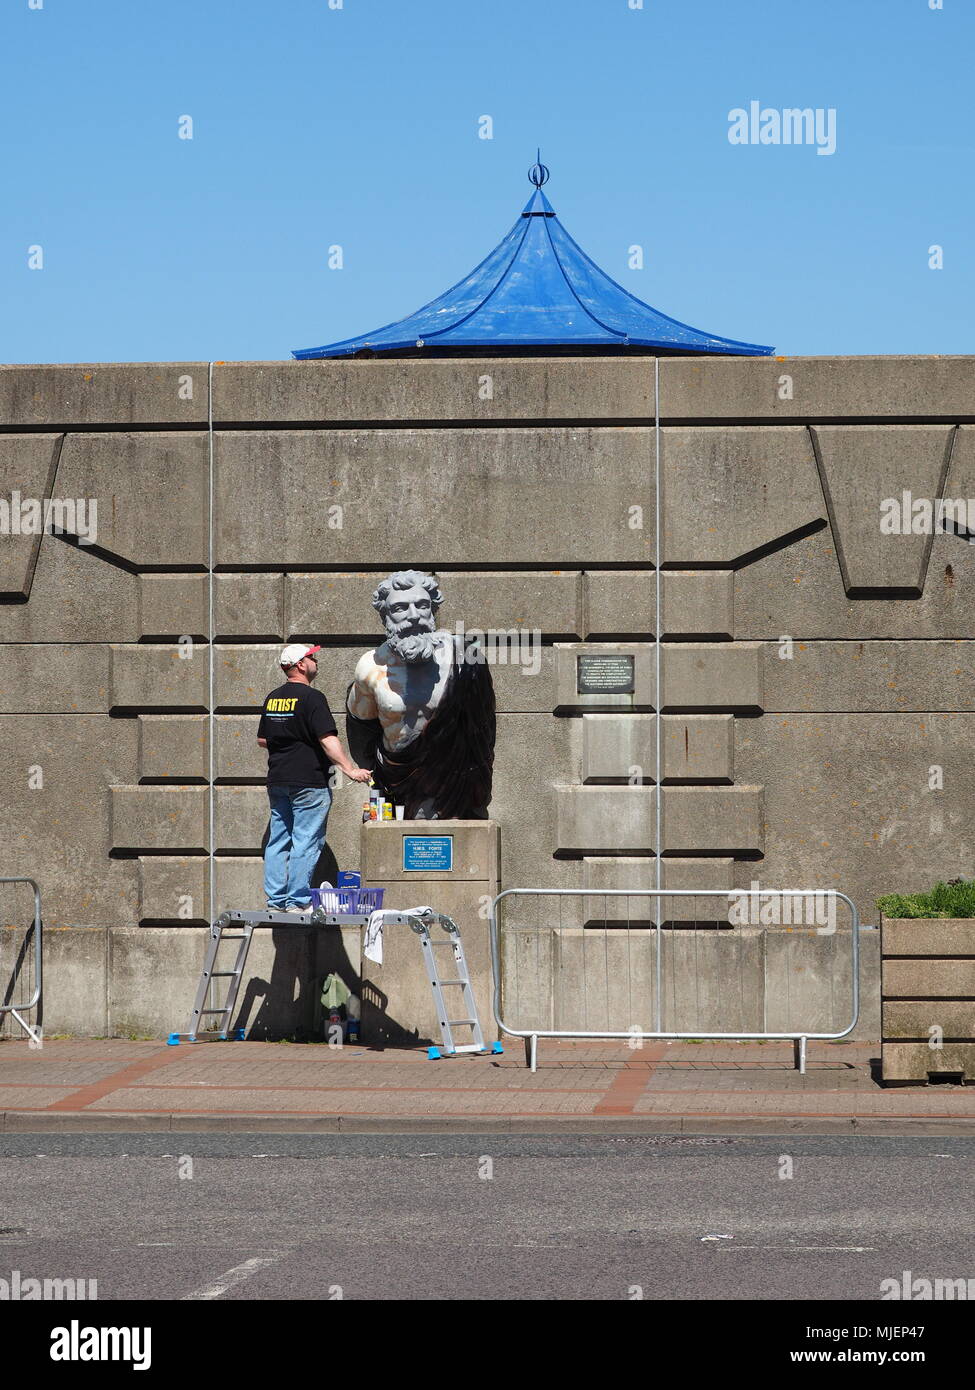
x=402 y=696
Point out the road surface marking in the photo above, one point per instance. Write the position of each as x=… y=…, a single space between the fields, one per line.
x=230 y=1277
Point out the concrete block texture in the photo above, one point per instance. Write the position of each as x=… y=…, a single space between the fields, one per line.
x=921 y=936
x=239 y=756
x=619 y=748
x=622 y=603
x=619 y=603
x=245 y=675
x=732 y=493
x=151 y=491
x=714 y=821
x=104 y=393
x=397 y=997
x=173 y=746
x=848 y=742
x=927 y=1020
x=698 y=747
x=160 y=677
x=154 y=972
x=76 y=965
x=932 y=979
x=569 y=696
x=697 y=603
x=30 y=683
x=475 y=852
x=555 y=496
x=624 y=873
x=718 y=821
x=916 y=1061
x=176 y=889
x=815 y=388
x=158 y=818
x=799 y=592
x=54 y=820
x=865 y=466
x=376 y=391
x=27 y=468
x=75 y=596
x=726 y=676
x=883 y=677
x=606 y=818
x=173 y=605
x=849 y=802
x=253 y=605
x=623 y=747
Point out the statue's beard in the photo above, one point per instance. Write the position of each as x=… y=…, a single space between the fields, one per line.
x=414 y=648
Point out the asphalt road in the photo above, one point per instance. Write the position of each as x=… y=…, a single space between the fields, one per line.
x=273 y=1217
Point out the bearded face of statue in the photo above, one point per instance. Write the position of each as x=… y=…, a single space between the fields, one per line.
x=411 y=625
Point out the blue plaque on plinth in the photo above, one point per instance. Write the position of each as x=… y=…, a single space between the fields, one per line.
x=428 y=853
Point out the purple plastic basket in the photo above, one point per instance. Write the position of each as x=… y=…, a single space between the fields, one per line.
x=347 y=901
x=334 y=900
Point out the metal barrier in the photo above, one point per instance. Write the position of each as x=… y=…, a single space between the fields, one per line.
x=656 y=932
x=19 y=1009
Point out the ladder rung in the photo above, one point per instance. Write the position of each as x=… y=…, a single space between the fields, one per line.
x=213 y=1011
x=222 y=974
x=224 y=937
x=454 y=982
x=456 y=1022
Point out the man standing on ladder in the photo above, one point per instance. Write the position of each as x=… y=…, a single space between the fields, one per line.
x=302 y=743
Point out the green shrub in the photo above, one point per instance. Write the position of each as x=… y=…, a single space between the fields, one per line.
x=955 y=899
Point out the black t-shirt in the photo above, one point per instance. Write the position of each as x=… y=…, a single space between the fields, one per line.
x=295 y=717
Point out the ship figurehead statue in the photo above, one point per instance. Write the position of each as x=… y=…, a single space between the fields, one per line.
x=420 y=710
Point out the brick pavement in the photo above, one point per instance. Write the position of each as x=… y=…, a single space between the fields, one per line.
x=678 y=1086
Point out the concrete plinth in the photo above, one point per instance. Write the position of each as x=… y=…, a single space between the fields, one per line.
x=397 y=1001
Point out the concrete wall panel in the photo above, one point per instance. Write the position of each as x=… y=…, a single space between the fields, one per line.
x=817 y=388
x=865 y=466
x=151 y=491
x=27 y=465
x=555 y=496
x=316 y=393
x=730 y=492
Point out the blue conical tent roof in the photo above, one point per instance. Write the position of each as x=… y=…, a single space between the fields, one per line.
x=536 y=290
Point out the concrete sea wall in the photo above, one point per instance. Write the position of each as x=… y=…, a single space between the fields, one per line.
x=817 y=700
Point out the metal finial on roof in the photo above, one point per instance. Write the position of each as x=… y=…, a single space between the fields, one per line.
x=538 y=173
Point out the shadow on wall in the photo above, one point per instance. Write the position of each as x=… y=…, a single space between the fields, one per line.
x=19 y=984
x=289 y=1005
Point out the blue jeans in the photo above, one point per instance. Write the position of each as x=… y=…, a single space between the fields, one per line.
x=295 y=840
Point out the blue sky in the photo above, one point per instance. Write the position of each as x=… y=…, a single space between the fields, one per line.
x=358 y=127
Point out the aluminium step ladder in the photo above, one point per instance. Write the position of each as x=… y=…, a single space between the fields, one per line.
x=238 y=926
x=459 y=977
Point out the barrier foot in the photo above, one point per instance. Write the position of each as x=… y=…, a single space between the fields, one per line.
x=496 y=1049
x=239 y=1035
x=799 y=1048
x=173 y=1040
x=433 y=1053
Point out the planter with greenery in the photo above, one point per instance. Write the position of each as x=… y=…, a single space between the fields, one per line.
x=927 y=951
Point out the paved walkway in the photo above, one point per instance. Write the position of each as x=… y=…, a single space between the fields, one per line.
x=579 y=1086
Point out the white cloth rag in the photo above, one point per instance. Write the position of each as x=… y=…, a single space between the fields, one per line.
x=372 y=946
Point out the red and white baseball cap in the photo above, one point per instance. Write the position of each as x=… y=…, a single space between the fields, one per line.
x=291 y=655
